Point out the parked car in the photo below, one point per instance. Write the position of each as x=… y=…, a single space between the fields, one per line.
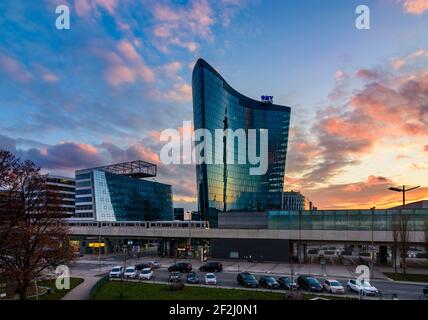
x=425 y=291
x=210 y=278
x=154 y=264
x=268 y=282
x=146 y=274
x=333 y=286
x=130 y=273
x=142 y=266
x=309 y=284
x=192 y=278
x=174 y=277
x=180 y=267
x=116 y=272
x=246 y=279
x=362 y=287
x=287 y=283
x=211 y=267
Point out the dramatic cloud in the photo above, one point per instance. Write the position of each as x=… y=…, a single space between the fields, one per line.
x=365 y=194
x=64 y=156
x=388 y=108
x=377 y=112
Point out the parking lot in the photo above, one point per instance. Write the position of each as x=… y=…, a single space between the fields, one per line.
x=227 y=278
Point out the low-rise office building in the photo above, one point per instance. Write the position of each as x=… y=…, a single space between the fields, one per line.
x=120 y=193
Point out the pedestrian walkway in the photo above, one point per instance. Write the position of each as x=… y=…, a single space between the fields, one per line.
x=81 y=292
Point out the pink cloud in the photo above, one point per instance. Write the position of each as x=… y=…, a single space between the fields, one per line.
x=416 y=7
x=388 y=108
x=86 y=8
x=181 y=92
x=127 y=67
x=367 y=74
x=180 y=25
x=14 y=69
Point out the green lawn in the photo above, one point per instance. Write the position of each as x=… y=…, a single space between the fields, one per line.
x=407 y=277
x=111 y=290
x=57 y=294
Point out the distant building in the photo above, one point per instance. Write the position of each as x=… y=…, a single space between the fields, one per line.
x=196 y=216
x=179 y=214
x=295 y=201
x=423 y=204
x=65 y=187
x=119 y=193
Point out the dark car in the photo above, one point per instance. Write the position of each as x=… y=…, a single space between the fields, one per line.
x=287 y=283
x=141 y=266
x=426 y=291
x=247 y=280
x=211 y=267
x=268 y=282
x=174 y=277
x=309 y=284
x=192 y=278
x=180 y=267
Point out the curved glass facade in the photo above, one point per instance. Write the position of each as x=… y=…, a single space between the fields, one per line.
x=230 y=187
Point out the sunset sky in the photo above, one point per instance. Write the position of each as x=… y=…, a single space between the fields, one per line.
x=103 y=91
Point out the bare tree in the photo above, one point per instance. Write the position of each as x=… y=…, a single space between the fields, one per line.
x=401 y=237
x=33 y=238
x=396 y=237
x=426 y=237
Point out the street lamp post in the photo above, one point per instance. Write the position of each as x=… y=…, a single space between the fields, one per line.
x=403 y=189
x=373 y=253
x=99 y=247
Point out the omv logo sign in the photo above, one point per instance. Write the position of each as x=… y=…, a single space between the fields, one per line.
x=267 y=99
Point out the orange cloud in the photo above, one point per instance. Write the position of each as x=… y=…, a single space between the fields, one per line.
x=416 y=7
x=362 y=195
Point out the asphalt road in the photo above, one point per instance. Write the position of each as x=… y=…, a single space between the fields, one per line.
x=228 y=279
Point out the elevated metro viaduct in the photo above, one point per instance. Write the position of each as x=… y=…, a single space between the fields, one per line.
x=233 y=242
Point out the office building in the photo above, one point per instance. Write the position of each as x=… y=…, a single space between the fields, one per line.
x=119 y=193
x=179 y=214
x=230 y=187
x=65 y=188
x=295 y=201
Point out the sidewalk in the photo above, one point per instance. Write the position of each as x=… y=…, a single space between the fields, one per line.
x=81 y=292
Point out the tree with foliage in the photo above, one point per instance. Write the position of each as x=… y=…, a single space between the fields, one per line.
x=33 y=237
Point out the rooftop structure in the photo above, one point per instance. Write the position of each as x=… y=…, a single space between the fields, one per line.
x=133 y=169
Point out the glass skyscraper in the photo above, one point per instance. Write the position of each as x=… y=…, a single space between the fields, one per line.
x=117 y=193
x=230 y=187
